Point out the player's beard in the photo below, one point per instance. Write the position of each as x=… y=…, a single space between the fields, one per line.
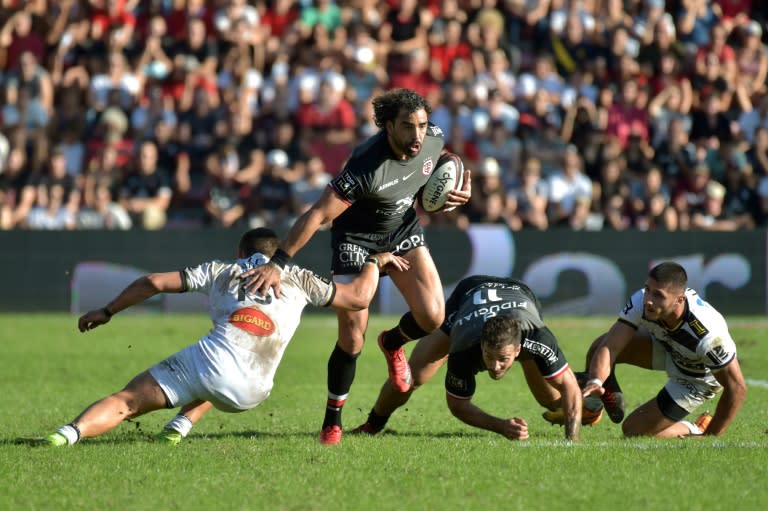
x=410 y=148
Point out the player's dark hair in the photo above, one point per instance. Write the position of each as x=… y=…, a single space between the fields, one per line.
x=501 y=331
x=670 y=274
x=262 y=240
x=387 y=106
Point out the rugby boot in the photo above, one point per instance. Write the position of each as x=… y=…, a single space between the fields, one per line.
x=397 y=366
x=331 y=435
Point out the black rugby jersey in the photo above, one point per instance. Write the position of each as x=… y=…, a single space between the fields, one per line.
x=473 y=302
x=381 y=188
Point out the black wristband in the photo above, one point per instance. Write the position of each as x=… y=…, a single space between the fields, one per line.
x=374 y=260
x=107 y=313
x=280 y=258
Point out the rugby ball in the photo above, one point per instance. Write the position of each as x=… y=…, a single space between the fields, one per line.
x=447 y=175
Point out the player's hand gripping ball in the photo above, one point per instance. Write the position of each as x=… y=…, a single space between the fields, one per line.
x=448 y=175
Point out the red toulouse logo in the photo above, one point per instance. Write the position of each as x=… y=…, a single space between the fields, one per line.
x=252 y=321
x=427 y=168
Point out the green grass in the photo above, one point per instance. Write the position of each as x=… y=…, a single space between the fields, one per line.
x=269 y=458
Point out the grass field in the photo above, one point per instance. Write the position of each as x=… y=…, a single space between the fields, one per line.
x=269 y=458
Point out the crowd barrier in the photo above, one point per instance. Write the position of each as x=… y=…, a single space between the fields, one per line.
x=575 y=273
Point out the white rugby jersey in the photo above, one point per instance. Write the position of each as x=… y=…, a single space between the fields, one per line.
x=698 y=345
x=262 y=325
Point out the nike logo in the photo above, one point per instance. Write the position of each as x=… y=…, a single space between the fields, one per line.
x=409 y=175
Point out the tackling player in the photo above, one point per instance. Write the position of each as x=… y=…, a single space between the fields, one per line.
x=232 y=367
x=667 y=326
x=370 y=205
x=490 y=322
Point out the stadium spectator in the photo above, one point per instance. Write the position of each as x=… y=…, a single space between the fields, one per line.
x=270 y=202
x=626 y=117
x=649 y=205
x=489 y=202
x=146 y=190
x=530 y=193
x=570 y=193
x=17 y=37
x=28 y=106
x=403 y=32
x=753 y=118
x=307 y=189
x=446 y=44
x=758 y=152
x=224 y=201
x=691 y=194
x=751 y=59
x=326 y=125
x=231 y=368
x=103 y=212
x=611 y=195
x=99 y=54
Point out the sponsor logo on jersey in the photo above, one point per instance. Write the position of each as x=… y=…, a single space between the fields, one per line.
x=252 y=321
x=344 y=183
x=351 y=255
x=391 y=183
x=401 y=206
x=426 y=169
x=540 y=350
x=411 y=242
x=409 y=175
x=698 y=329
x=717 y=354
x=455 y=383
x=628 y=307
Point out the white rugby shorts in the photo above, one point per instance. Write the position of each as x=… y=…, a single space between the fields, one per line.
x=689 y=392
x=212 y=372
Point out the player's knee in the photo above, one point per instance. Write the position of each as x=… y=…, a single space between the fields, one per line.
x=431 y=315
x=632 y=428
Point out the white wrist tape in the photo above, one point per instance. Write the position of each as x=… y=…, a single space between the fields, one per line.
x=596 y=381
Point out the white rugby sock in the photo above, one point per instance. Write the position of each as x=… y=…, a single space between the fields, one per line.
x=71 y=433
x=693 y=428
x=180 y=423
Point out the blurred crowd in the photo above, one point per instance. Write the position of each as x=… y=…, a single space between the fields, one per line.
x=583 y=114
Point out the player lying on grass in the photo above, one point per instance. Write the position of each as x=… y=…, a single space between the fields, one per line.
x=490 y=322
x=232 y=367
x=667 y=326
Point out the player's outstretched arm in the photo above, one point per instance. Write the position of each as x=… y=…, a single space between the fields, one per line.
x=325 y=210
x=605 y=355
x=464 y=410
x=571 y=401
x=357 y=295
x=734 y=394
x=139 y=290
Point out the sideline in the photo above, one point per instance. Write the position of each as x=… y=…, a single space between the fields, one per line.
x=757 y=383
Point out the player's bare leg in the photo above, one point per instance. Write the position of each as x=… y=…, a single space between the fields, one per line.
x=647 y=420
x=179 y=427
x=423 y=292
x=429 y=354
x=141 y=395
x=342 y=365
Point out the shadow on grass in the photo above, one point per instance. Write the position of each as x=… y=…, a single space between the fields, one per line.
x=140 y=437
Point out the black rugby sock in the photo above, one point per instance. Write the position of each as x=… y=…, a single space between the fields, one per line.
x=611 y=383
x=341 y=374
x=406 y=330
x=376 y=420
